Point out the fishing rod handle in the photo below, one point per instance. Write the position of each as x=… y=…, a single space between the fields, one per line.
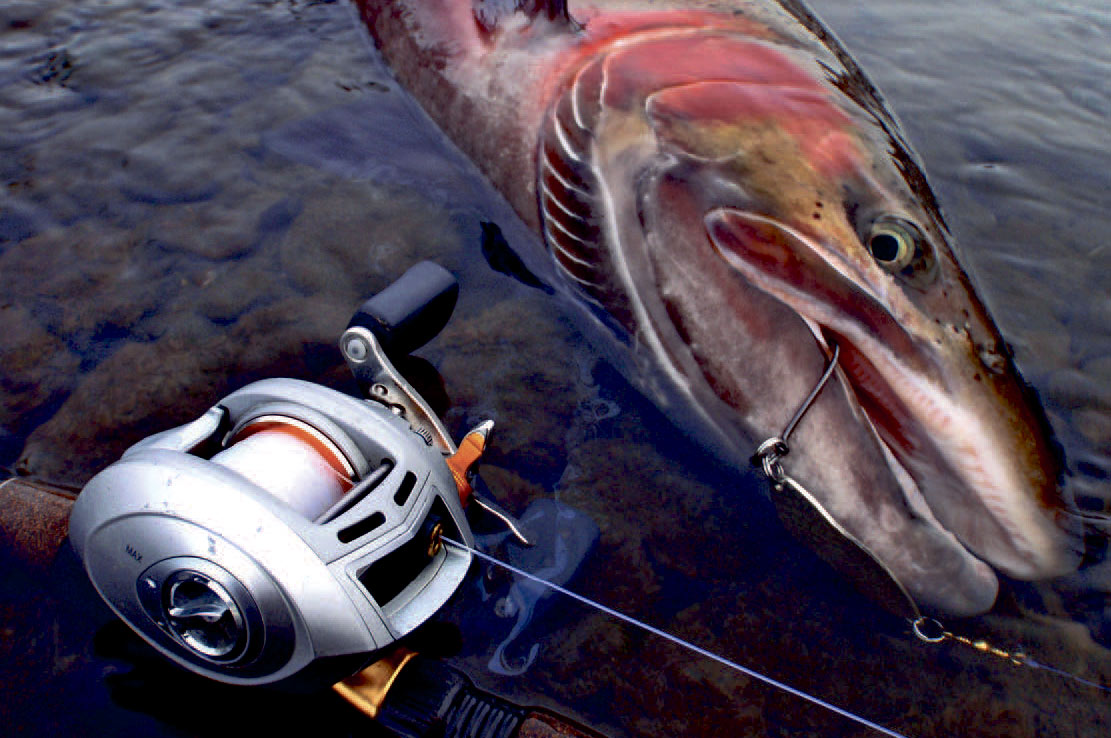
x=427 y=697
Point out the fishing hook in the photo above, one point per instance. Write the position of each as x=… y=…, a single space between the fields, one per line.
x=769 y=453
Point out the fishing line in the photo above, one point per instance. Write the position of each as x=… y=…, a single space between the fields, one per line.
x=768 y=456
x=1027 y=661
x=1016 y=657
x=682 y=643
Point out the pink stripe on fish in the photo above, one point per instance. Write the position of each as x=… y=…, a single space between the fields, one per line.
x=655 y=64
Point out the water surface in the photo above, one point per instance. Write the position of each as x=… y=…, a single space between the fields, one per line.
x=196 y=195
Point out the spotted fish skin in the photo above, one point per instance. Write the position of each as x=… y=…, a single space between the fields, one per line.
x=726 y=194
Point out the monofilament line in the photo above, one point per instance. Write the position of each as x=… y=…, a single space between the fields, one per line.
x=682 y=643
x=1065 y=674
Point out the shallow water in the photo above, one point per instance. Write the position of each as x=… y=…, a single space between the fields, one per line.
x=199 y=195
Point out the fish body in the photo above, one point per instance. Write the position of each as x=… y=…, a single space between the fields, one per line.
x=723 y=189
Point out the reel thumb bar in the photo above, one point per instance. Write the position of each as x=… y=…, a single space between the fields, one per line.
x=412 y=310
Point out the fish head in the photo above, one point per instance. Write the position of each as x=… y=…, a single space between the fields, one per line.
x=741 y=205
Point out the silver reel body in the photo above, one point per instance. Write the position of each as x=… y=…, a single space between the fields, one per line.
x=290 y=526
x=227 y=580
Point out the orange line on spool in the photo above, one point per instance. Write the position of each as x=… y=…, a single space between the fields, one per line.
x=317 y=441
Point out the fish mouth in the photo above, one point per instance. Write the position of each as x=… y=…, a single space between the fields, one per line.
x=954 y=457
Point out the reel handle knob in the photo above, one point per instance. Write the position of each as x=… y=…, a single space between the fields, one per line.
x=412 y=310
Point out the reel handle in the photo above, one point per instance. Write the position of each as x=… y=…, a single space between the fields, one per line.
x=411 y=311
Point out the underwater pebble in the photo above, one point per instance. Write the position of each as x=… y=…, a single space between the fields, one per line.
x=490 y=368
x=295 y=336
x=1098 y=368
x=227 y=291
x=1095 y=425
x=140 y=387
x=169 y=175
x=18 y=15
x=211 y=231
x=37 y=369
x=61 y=271
x=512 y=490
x=357 y=238
x=16 y=223
x=1076 y=390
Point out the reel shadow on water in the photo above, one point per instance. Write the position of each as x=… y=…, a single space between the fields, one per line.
x=70 y=667
x=146 y=683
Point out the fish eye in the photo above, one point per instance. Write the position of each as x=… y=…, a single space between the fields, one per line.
x=893 y=244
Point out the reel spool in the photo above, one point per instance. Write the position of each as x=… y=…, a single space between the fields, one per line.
x=290 y=532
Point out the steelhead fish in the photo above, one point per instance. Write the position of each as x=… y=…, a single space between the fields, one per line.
x=725 y=190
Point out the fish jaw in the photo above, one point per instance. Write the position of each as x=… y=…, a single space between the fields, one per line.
x=971 y=455
x=747 y=360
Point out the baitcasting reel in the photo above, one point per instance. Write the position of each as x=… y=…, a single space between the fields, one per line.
x=292 y=531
